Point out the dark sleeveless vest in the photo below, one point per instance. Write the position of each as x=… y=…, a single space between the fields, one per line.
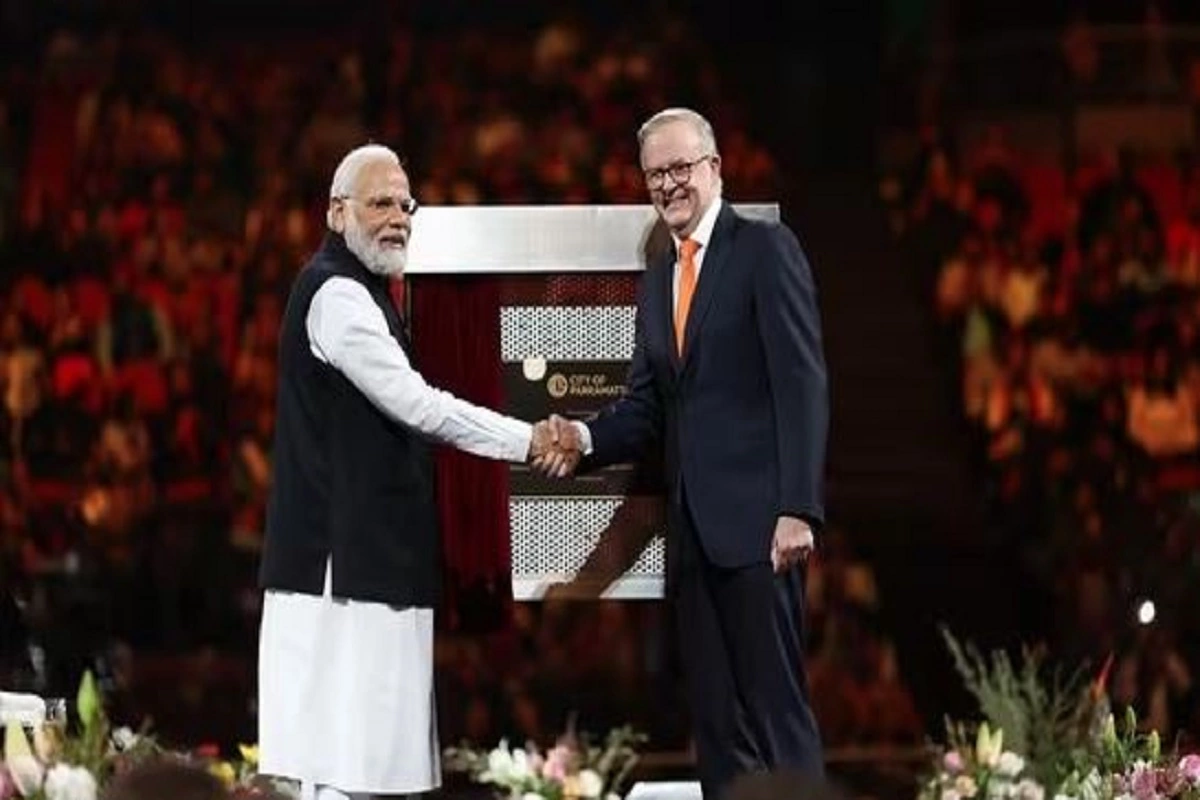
x=348 y=482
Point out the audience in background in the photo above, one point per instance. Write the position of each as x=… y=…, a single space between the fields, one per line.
x=1068 y=306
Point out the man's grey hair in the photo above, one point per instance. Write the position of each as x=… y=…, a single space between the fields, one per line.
x=345 y=177
x=669 y=115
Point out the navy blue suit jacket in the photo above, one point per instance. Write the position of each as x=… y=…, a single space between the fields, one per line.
x=743 y=416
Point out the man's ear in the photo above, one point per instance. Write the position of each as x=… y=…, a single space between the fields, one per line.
x=335 y=217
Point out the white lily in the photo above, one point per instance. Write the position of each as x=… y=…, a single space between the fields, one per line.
x=988 y=745
x=66 y=782
x=27 y=772
x=1010 y=764
x=590 y=785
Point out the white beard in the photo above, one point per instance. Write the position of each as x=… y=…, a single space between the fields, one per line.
x=386 y=261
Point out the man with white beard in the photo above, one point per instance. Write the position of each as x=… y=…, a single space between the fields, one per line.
x=350 y=562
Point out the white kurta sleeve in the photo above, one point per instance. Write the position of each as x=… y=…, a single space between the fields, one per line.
x=347 y=330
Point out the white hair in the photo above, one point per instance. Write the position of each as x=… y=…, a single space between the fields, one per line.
x=669 y=115
x=345 y=177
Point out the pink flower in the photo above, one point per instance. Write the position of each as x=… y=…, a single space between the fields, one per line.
x=8 y=787
x=1144 y=783
x=952 y=762
x=1189 y=767
x=26 y=773
x=557 y=761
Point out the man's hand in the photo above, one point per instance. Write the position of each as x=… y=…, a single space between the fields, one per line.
x=792 y=543
x=556 y=447
x=544 y=439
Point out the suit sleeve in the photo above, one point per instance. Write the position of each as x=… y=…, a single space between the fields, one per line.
x=626 y=430
x=789 y=323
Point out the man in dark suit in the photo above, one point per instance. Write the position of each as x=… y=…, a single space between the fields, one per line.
x=728 y=379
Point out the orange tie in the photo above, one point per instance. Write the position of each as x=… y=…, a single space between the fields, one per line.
x=687 y=287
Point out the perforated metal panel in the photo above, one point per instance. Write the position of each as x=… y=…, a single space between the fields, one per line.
x=566 y=333
x=552 y=537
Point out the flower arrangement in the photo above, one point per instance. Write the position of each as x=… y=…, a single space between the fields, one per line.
x=1065 y=743
x=50 y=764
x=49 y=761
x=572 y=769
x=984 y=769
x=1128 y=765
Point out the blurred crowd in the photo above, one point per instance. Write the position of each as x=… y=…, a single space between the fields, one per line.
x=156 y=197
x=1067 y=304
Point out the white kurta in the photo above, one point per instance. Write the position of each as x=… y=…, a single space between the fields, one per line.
x=345 y=688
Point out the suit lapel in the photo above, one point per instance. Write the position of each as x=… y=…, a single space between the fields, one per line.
x=712 y=269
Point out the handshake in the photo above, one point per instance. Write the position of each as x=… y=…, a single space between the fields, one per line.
x=556 y=447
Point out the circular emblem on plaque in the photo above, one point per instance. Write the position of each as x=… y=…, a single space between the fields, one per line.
x=557 y=385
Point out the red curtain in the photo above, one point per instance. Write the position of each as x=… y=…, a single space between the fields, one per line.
x=456 y=334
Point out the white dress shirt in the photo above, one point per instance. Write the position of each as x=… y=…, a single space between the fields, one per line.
x=701 y=236
x=347 y=330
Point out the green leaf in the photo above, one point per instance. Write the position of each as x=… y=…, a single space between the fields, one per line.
x=87 y=701
x=1110 y=732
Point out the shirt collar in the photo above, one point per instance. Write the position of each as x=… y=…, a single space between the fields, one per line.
x=704 y=230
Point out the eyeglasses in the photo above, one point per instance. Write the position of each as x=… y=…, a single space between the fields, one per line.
x=680 y=172
x=382 y=205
